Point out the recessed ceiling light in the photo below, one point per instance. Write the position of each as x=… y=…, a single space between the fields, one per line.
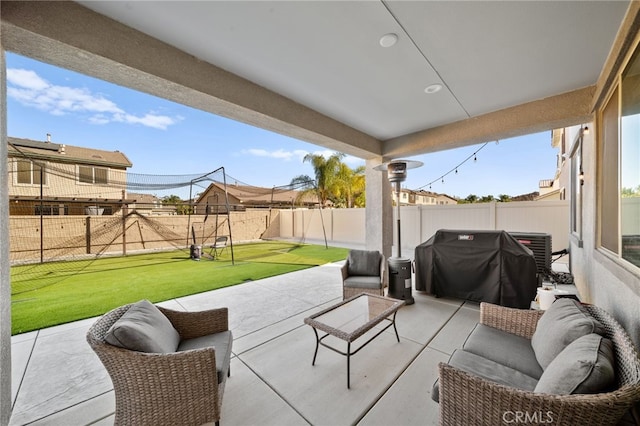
x=433 y=88
x=388 y=40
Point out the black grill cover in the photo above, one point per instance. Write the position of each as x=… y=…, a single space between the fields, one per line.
x=483 y=266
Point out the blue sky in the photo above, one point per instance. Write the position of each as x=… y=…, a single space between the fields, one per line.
x=163 y=137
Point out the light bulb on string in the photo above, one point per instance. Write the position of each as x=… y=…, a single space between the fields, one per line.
x=455 y=169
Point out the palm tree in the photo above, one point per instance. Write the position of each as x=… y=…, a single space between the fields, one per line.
x=174 y=200
x=171 y=199
x=350 y=185
x=471 y=198
x=326 y=171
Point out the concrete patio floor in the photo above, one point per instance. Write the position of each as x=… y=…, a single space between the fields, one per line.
x=58 y=380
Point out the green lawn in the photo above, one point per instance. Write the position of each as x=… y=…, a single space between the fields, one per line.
x=51 y=294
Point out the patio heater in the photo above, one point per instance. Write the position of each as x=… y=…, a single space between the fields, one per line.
x=399 y=267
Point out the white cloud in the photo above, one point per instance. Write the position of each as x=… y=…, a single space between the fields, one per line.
x=278 y=154
x=347 y=159
x=26 y=79
x=150 y=120
x=26 y=87
x=353 y=161
x=299 y=154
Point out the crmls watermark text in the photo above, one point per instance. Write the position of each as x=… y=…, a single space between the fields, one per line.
x=525 y=417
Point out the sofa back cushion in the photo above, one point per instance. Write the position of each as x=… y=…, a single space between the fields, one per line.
x=585 y=366
x=565 y=321
x=363 y=262
x=144 y=328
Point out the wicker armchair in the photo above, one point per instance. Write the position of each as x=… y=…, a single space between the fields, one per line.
x=363 y=272
x=466 y=399
x=165 y=389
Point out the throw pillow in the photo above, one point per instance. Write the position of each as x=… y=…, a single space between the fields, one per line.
x=144 y=328
x=560 y=325
x=585 y=366
x=364 y=262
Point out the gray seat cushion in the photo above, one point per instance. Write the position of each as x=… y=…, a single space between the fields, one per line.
x=565 y=321
x=143 y=328
x=363 y=282
x=504 y=348
x=220 y=341
x=584 y=366
x=363 y=262
x=487 y=369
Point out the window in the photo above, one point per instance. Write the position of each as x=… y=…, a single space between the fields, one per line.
x=630 y=163
x=93 y=175
x=30 y=173
x=51 y=210
x=619 y=167
x=107 y=210
x=608 y=176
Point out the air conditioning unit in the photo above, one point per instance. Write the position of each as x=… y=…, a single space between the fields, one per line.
x=540 y=245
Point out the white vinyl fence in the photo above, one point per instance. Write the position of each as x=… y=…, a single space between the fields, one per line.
x=419 y=223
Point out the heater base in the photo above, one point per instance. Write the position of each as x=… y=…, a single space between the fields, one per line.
x=400 y=279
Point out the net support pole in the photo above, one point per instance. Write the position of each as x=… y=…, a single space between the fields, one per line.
x=41 y=215
x=226 y=199
x=125 y=214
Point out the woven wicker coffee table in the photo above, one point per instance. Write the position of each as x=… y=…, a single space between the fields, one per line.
x=352 y=318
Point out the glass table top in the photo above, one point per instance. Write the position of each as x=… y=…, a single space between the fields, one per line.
x=353 y=314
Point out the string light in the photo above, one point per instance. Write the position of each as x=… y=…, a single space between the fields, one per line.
x=455 y=169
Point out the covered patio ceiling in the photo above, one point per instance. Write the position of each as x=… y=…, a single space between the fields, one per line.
x=317 y=70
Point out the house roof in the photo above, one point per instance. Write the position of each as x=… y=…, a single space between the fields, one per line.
x=257 y=195
x=63 y=153
x=142 y=198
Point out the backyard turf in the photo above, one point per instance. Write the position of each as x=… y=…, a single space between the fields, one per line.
x=46 y=295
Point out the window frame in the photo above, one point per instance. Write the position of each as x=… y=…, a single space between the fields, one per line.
x=605 y=198
x=577 y=190
x=605 y=165
x=93 y=168
x=32 y=169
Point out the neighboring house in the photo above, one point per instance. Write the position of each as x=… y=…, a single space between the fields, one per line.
x=555 y=189
x=242 y=197
x=532 y=196
x=445 y=199
x=148 y=204
x=421 y=197
x=56 y=179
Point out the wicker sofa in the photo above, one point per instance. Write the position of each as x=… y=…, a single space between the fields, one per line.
x=471 y=393
x=176 y=374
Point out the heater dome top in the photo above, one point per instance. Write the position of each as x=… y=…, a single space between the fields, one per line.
x=397 y=169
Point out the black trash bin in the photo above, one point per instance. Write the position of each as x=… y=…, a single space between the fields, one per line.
x=195 y=252
x=400 y=279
